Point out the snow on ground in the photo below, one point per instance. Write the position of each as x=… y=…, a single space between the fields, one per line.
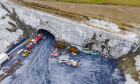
x=7 y=37
x=129 y=80
x=4 y=19
x=106 y=25
x=2 y=13
x=112 y=27
x=137 y=58
x=40 y=68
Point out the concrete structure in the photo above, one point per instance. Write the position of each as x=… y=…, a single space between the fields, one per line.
x=91 y=38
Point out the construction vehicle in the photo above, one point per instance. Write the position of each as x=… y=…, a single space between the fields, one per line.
x=31 y=44
x=57 y=45
x=34 y=41
x=66 y=60
x=63 y=41
x=19 y=51
x=29 y=40
x=72 y=49
x=25 y=53
x=4 y=57
x=54 y=54
x=40 y=36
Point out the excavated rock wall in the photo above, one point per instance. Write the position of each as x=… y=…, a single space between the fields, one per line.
x=91 y=38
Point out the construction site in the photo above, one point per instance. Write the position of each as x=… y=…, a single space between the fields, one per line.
x=59 y=58
x=61 y=42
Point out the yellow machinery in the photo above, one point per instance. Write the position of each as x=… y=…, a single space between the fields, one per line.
x=72 y=49
x=57 y=45
x=29 y=40
x=26 y=52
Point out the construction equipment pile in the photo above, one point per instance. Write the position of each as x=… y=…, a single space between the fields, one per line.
x=63 y=57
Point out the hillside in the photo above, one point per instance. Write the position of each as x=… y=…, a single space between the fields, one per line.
x=127 y=17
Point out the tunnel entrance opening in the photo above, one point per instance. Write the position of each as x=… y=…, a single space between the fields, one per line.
x=46 y=33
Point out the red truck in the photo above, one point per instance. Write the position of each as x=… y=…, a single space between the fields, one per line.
x=34 y=41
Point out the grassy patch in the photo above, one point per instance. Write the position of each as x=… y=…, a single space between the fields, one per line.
x=119 y=2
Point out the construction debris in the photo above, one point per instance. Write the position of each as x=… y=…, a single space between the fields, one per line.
x=19 y=51
x=63 y=52
x=19 y=62
x=65 y=59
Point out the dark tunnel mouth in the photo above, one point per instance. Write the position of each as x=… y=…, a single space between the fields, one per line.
x=45 y=32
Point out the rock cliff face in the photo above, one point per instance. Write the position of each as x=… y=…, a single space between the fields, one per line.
x=89 y=37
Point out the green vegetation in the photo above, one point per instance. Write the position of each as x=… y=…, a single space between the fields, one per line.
x=117 y=2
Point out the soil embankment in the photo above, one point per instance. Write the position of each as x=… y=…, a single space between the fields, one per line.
x=127 y=17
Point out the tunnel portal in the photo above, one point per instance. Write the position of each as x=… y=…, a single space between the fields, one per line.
x=46 y=33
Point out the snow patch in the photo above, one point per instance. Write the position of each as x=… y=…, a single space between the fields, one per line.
x=106 y=25
x=8 y=37
x=137 y=63
x=129 y=80
x=7 y=80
